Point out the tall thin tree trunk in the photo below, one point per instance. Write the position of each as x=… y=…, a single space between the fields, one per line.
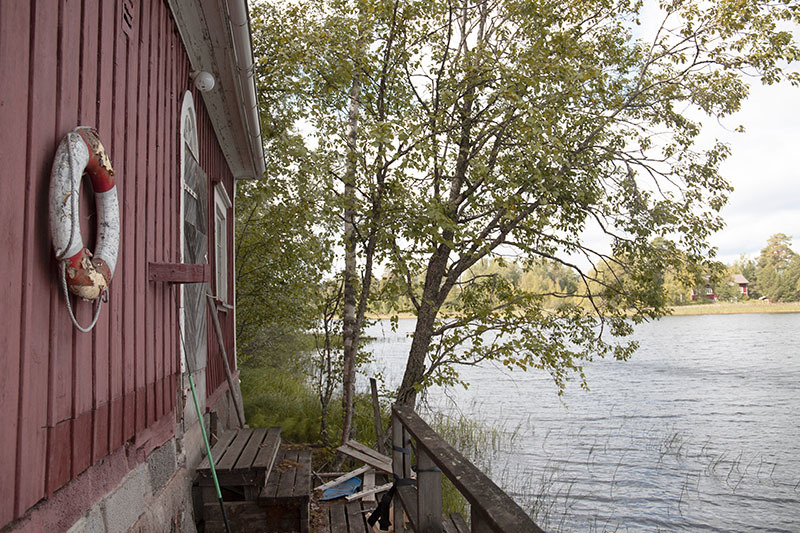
x=349 y=331
x=355 y=306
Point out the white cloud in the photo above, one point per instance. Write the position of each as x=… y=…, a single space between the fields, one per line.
x=764 y=169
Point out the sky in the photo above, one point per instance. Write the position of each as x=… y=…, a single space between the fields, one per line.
x=764 y=165
x=764 y=169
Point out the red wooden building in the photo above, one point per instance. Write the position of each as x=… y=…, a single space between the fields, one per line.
x=707 y=291
x=742 y=282
x=96 y=431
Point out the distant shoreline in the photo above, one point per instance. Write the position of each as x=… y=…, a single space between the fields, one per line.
x=719 y=308
x=722 y=308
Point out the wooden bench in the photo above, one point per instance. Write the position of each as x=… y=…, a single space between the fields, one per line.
x=243 y=460
x=287 y=494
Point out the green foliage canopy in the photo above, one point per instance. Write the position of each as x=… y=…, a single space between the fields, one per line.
x=508 y=128
x=777 y=272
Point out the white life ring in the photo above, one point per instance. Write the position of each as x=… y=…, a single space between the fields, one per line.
x=87 y=274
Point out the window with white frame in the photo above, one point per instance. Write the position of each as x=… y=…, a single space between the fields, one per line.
x=222 y=203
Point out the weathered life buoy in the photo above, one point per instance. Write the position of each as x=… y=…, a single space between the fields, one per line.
x=87 y=274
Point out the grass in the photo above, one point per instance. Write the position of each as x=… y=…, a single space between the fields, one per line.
x=730 y=308
x=479 y=443
x=277 y=391
x=718 y=308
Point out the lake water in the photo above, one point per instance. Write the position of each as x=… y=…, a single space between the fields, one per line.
x=699 y=431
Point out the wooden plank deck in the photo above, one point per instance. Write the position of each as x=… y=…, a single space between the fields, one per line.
x=341 y=516
x=287 y=494
x=290 y=477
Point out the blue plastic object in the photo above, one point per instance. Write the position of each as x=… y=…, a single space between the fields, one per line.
x=345 y=488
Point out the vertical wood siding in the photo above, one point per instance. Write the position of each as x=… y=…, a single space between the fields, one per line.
x=68 y=398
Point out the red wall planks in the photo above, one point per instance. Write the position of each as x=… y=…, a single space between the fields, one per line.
x=14 y=49
x=35 y=422
x=125 y=87
x=213 y=159
x=89 y=113
x=70 y=399
x=120 y=72
x=109 y=321
x=157 y=250
x=74 y=24
x=138 y=224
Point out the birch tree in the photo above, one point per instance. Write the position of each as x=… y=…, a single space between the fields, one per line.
x=340 y=59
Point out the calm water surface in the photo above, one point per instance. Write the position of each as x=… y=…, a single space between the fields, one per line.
x=699 y=431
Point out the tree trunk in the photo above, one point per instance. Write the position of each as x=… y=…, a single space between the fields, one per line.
x=436 y=287
x=423 y=332
x=415 y=365
x=349 y=329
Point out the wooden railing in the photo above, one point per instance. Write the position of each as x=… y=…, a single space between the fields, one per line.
x=491 y=509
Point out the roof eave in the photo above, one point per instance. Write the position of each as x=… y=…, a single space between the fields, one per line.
x=216 y=35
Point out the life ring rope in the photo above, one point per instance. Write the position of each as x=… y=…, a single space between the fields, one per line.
x=99 y=304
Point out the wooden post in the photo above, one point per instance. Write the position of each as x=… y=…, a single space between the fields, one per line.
x=369 y=483
x=406 y=456
x=479 y=524
x=492 y=510
x=215 y=318
x=398 y=462
x=429 y=493
x=376 y=408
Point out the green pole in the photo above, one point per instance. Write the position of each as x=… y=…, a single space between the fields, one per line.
x=205 y=438
x=208 y=452
x=202 y=424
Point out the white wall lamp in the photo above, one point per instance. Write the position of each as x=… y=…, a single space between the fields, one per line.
x=203 y=80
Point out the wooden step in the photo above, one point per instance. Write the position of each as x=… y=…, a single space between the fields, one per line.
x=341 y=516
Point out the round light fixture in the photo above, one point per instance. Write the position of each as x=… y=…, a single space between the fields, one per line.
x=203 y=80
